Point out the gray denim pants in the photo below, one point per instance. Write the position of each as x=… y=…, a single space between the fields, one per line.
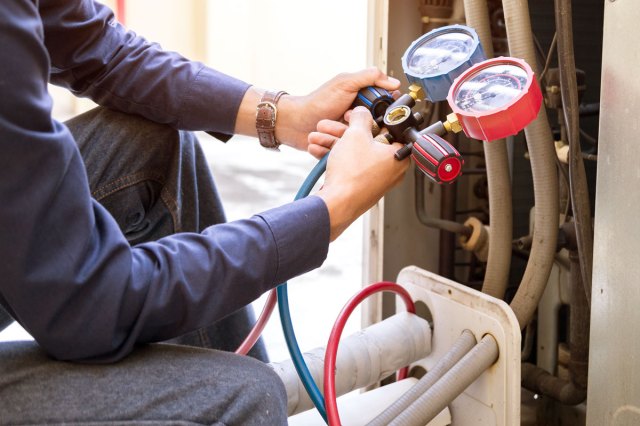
x=155 y=181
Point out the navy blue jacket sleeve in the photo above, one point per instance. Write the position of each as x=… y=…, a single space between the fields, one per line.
x=94 y=56
x=69 y=276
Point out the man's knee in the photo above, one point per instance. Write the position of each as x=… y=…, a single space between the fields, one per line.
x=270 y=397
x=141 y=171
x=255 y=393
x=126 y=140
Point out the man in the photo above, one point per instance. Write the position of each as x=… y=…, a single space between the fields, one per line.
x=91 y=280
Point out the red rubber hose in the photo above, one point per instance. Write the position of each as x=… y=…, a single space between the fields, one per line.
x=334 y=339
x=263 y=319
x=120 y=11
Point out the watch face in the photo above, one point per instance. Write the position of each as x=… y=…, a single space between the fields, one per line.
x=440 y=54
x=491 y=88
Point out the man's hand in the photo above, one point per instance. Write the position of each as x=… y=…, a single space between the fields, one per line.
x=300 y=115
x=359 y=172
x=329 y=131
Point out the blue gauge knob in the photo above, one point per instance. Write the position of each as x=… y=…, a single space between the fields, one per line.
x=435 y=59
x=375 y=99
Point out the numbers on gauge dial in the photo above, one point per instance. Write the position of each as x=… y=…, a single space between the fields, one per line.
x=491 y=88
x=440 y=54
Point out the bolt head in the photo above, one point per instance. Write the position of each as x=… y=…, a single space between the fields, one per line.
x=416 y=92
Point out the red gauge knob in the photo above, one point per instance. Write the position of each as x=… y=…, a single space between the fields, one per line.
x=495 y=98
x=437 y=158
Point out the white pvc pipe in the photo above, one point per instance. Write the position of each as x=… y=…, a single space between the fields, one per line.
x=364 y=358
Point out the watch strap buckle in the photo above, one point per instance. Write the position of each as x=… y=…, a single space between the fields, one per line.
x=266 y=115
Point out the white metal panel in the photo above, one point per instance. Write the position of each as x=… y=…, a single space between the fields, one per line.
x=494 y=398
x=614 y=367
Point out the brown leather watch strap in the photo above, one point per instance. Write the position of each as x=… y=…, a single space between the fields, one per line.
x=266 y=115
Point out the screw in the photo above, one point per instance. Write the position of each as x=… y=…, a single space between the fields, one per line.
x=448 y=167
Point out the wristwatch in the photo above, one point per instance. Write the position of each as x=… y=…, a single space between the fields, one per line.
x=266 y=114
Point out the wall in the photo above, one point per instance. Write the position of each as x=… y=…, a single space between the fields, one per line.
x=287 y=44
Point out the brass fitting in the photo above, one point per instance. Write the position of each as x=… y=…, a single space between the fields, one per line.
x=375 y=129
x=416 y=92
x=397 y=114
x=452 y=125
x=382 y=139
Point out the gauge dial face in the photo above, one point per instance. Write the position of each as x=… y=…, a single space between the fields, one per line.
x=440 y=54
x=491 y=88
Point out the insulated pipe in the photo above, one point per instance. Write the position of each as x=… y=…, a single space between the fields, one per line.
x=577 y=175
x=574 y=390
x=446 y=259
x=545 y=177
x=452 y=384
x=331 y=353
x=425 y=219
x=579 y=326
x=361 y=362
x=540 y=381
x=460 y=348
x=496 y=277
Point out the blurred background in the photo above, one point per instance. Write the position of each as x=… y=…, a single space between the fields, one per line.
x=278 y=44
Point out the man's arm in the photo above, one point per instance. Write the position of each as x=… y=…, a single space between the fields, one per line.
x=94 y=56
x=68 y=274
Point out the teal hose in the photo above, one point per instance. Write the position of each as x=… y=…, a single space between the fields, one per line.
x=285 y=315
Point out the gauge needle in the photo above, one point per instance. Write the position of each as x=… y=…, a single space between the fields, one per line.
x=435 y=64
x=470 y=101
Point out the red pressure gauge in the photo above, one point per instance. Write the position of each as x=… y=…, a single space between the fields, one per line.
x=495 y=98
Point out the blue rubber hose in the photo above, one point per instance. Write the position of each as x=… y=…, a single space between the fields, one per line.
x=285 y=315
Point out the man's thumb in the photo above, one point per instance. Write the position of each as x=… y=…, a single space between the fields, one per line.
x=361 y=119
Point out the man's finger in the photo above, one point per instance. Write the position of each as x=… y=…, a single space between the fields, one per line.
x=332 y=127
x=374 y=77
x=361 y=119
x=322 y=139
x=317 y=151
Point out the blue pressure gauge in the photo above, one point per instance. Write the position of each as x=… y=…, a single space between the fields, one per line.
x=435 y=59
